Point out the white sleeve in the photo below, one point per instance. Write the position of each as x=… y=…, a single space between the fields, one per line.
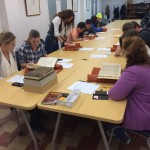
x=56 y=21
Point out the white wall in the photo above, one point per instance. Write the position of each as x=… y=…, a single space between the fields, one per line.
x=99 y=6
x=82 y=13
x=16 y=21
x=1 y=28
x=3 y=16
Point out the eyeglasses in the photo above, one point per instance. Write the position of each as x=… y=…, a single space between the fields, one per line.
x=13 y=43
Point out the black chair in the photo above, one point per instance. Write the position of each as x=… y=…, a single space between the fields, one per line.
x=144 y=134
x=17 y=60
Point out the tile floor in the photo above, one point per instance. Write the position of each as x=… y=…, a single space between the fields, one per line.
x=74 y=134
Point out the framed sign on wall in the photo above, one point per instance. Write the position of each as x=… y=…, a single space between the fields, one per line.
x=32 y=7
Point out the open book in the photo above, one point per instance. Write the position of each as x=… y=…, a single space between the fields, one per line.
x=47 y=61
x=110 y=71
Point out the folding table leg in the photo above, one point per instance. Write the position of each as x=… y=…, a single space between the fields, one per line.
x=56 y=131
x=30 y=130
x=20 y=132
x=103 y=135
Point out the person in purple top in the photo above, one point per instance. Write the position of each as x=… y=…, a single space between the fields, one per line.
x=134 y=85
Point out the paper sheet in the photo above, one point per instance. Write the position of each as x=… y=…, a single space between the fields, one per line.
x=117 y=36
x=17 y=78
x=98 y=56
x=86 y=49
x=103 y=49
x=100 y=38
x=115 y=29
x=117 y=43
x=108 y=53
x=66 y=65
x=82 y=85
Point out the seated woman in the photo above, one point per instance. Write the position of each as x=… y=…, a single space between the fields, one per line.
x=73 y=35
x=134 y=85
x=31 y=50
x=29 y=54
x=129 y=33
x=8 y=64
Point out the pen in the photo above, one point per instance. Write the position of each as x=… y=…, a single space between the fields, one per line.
x=59 y=59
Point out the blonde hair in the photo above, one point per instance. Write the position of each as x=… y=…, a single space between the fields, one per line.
x=6 y=37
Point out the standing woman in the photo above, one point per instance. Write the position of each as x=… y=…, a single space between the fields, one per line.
x=8 y=64
x=59 y=26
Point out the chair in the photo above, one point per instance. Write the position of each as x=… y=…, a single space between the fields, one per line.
x=17 y=60
x=145 y=134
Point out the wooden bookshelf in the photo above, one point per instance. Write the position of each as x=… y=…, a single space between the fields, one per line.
x=137 y=11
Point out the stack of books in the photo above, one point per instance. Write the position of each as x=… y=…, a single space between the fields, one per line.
x=40 y=79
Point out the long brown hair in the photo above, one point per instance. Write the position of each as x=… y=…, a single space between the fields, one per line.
x=65 y=14
x=136 y=51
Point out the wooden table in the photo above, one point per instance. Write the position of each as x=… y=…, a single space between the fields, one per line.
x=109 y=111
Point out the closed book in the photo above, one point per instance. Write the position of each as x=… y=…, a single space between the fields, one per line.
x=40 y=83
x=51 y=98
x=40 y=89
x=39 y=73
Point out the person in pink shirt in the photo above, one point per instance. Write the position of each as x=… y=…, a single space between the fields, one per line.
x=73 y=35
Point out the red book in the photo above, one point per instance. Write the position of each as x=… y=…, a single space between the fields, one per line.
x=51 y=98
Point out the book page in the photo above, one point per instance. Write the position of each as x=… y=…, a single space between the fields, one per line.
x=47 y=61
x=110 y=71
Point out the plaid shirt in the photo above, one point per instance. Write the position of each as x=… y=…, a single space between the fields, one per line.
x=27 y=55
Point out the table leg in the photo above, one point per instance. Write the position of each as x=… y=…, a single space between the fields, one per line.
x=103 y=135
x=30 y=130
x=56 y=130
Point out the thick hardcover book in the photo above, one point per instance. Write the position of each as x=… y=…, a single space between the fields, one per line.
x=110 y=71
x=40 y=89
x=40 y=83
x=51 y=98
x=39 y=73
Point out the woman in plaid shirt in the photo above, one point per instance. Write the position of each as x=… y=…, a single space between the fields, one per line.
x=31 y=50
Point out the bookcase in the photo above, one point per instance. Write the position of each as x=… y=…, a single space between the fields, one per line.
x=137 y=11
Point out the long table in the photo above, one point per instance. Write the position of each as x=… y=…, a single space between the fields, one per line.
x=108 y=111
